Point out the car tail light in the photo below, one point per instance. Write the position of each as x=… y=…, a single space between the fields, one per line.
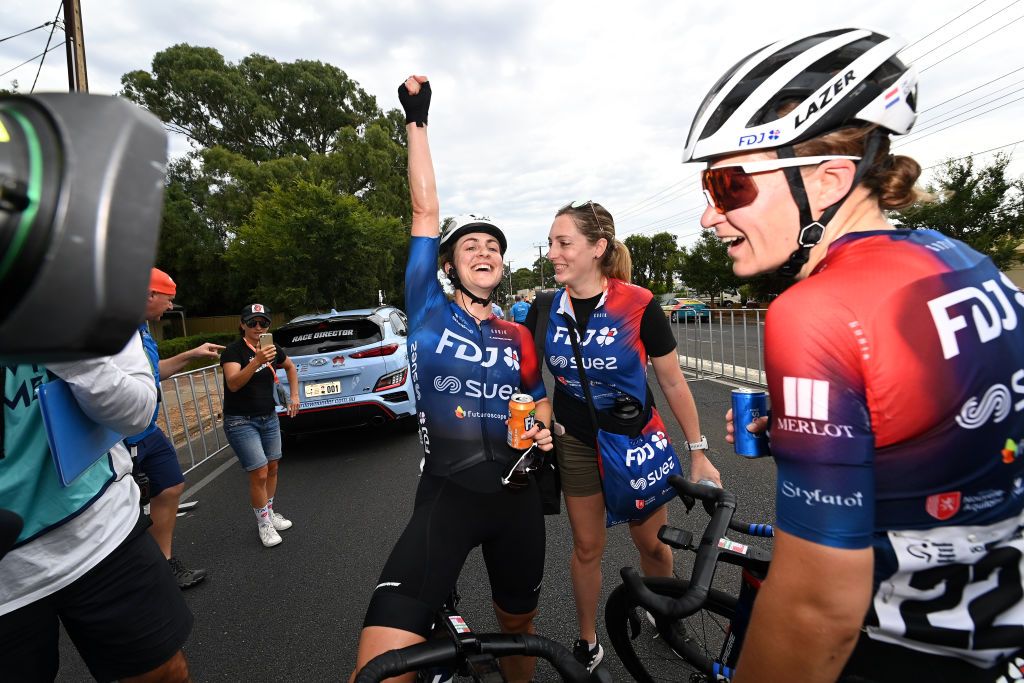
x=385 y=350
x=391 y=380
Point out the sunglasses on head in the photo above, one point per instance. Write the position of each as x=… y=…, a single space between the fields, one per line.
x=730 y=187
x=580 y=203
x=257 y=322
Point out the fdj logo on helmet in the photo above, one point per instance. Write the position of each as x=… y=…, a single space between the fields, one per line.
x=825 y=98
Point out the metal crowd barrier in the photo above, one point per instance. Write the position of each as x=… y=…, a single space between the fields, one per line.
x=729 y=344
x=192 y=415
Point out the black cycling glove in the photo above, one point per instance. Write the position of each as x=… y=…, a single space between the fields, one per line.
x=415 y=106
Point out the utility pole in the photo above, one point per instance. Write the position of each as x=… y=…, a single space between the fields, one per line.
x=74 y=46
x=511 y=294
x=540 y=258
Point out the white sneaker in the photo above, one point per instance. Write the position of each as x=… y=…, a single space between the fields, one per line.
x=269 y=535
x=279 y=522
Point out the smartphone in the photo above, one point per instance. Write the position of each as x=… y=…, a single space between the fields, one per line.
x=266 y=339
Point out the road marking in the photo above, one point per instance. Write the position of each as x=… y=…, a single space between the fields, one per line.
x=192 y=490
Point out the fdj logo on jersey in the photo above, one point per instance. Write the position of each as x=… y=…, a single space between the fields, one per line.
x=991 y=312
x=467 y=349
x=604 y=336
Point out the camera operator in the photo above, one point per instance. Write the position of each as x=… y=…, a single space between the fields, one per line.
x=83 y=556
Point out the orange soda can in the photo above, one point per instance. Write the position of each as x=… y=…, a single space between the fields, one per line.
x=522 y=414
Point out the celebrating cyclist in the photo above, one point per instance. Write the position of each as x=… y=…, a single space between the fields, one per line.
x=895 y=367
x=594 y=269
x=466 y=364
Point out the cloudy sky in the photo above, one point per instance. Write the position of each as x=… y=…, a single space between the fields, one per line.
x=540 y=102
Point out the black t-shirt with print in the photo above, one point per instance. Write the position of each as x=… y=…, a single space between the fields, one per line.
x=257 y=396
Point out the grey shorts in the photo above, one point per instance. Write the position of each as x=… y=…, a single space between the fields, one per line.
x=577 y=466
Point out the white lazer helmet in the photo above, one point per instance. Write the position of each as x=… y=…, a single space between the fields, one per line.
x=836 y=78
x=454 y=228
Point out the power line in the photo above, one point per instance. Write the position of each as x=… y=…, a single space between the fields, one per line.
x=968 y=92
x=902 y=142
x=949 y=116
x=969 y=156
x=644 y=201
x=966 y=30
x=944 y=25
x=1006 y=25
x=43 y=60
x=28 y=31
x=61 y=44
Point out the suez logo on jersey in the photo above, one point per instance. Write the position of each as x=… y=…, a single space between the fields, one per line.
x=995 y=404
x=805 y=403
x=603 y=336
x=468 y=350
x=473 y=389
x=991 y=312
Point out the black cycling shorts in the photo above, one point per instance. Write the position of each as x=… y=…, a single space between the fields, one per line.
x=126 y=616
x=448 y=521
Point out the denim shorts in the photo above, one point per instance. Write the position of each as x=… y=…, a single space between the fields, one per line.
x=256 y=440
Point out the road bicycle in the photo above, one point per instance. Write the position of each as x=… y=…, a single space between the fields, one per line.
x=682 y=629
x=456 y=650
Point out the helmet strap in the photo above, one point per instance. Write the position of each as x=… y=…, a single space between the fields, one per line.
x=811 y=230
x=454 y=277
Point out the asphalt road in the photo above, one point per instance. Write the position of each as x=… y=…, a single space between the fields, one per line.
x=293 y=612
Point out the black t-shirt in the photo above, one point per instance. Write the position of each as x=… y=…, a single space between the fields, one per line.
x=656 y=336
x=257 y=396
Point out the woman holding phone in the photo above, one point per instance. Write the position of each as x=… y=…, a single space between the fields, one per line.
x=250 y=423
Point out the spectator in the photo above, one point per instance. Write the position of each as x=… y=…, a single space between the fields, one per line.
x=519 y=310
x=250 y=422
x=154 y=453
x=593 y=267
x=83 y=557
x=496 y=310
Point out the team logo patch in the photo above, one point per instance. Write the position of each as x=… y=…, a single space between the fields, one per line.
x=512 y=359
x=660 y=440
x=606 y=335
x=942 y=506
x=1011 y=451
x=258 y=308
x=459 y=412
x=640 y=504
x=806 y=398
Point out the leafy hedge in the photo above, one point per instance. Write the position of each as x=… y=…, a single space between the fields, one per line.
x=172 y=347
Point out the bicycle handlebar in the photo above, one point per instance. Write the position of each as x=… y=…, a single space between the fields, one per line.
x=707 y=554
x=443 y=651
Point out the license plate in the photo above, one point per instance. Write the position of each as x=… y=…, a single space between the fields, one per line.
x=323 y=389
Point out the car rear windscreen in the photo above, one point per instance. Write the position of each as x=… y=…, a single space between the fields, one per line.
x=324 y=336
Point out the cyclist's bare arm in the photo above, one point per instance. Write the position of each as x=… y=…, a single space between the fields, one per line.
x=808 y=613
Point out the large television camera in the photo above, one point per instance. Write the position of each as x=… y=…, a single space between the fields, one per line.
x=81 y=193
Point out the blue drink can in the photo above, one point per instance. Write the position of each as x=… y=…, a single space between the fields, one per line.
x=747 y=406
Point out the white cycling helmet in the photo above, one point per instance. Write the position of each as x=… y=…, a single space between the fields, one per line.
x=454 y=228
x=837 y=78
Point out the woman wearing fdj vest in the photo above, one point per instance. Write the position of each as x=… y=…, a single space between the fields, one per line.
x=250 y=422
x=621 y=326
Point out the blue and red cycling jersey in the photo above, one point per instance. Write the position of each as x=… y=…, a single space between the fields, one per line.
x=463 y=373
x=614 y=357
x=896 y=374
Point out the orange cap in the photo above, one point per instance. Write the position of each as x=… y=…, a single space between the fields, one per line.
x=161 y=282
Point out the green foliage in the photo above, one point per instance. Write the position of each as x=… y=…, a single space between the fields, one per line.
x=981 y=207
x=259 y=108
x=261 y=128
x=169 y=348
x=304 y=248
x=542 y=265
x=652 y=260
x=524 y=278
x=706 y=266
